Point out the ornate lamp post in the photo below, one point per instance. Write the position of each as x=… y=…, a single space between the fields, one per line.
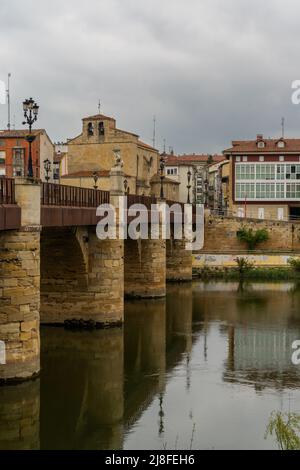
x=47 y=168
x=162 y=175
x=31 y=110
x=189 y=176
x=126 y=188
x=95 y=178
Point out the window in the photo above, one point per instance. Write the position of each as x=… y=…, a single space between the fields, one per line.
x=238 y=159
x=245 y=172
x=241 y=212
x=293 y=190
x=280 y=213
x=90 y=129
x=293 y=172
x=245 y=159
x=101 y=128
x=265 y=172
x=261 y=145
x=261 y=213
x=172 y=171
x=18 y=161
x=261 y=158
x=281 y=158
x=280 y=175
x=281 y=144
x=2 y=157
x=265 y=191
x=2 y=143
x=245 y=191
x=280 y=191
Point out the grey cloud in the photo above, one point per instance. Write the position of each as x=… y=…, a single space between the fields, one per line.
x=211 y=71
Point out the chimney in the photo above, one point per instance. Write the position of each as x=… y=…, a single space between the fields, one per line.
x=260 y=136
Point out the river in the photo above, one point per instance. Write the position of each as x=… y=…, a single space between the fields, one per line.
x=202 y=369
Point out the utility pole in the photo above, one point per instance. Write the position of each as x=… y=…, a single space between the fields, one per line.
x=154 y=131
x=99 y=106
x=282 y=127
x=8 y=101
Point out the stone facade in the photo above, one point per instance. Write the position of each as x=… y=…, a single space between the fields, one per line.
x=93 y=151
x=81 y=277
x=179 y=261
x=145 y=268
x=20 y=303
x=220 y=234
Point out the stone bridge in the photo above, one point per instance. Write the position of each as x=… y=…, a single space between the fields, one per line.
x=55 y=270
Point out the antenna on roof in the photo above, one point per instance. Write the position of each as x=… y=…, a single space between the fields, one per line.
x=154 y=131
x=99 y=106
x=282 y=126
x=8 y=101
x=164 y=145
x=14 y=122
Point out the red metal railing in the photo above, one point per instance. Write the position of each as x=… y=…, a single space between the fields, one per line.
x=61 y=195
x=138 y=199
x=7 y=190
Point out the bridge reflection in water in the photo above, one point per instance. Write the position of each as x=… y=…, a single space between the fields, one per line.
x=98 y=389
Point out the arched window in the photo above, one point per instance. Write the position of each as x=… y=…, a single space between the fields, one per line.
x=101 y=128
x=90 y=128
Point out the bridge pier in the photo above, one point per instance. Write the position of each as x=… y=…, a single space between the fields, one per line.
x=179 y=261
x=145 y=268
x=20 y=288
x=81 y=278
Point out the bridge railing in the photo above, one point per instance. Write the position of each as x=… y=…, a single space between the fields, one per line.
x=138 y=199
x=61 y=195
x=7 y=190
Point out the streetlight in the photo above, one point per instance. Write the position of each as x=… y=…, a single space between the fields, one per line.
x=189 y=176
x=95 y=178
x=126 y=188
x=31 y=110
x=162 y=167
x=47 y=168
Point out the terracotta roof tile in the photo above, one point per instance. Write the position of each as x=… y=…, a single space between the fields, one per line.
x=173 y=160
x=250 y=146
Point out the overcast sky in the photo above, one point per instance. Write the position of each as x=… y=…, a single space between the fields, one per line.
x=210 y=70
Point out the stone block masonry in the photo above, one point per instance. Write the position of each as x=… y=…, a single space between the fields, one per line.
x=220 y=234
x=179 y=261
x=82 y=278
x=20 y=303
x=145 y=268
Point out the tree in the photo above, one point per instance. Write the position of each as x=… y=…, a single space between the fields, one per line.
x=286 y=428
x=252 y=238
x=294 y=264
x=244 y=265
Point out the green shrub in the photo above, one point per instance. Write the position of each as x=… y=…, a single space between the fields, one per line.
x=244 y=265
x=285 y=428
x=252 y=238
x=294 y=264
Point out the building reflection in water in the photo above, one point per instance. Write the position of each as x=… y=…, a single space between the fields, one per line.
x=145 y=355
x=20 y=416
x=82 y=389
x=261 y=321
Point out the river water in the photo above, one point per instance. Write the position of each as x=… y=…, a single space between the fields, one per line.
x=202 y=369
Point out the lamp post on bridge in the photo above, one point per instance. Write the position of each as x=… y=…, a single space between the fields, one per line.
x=95 y=178
x=189 y=176
x=31 y=110
x=47 y=168
x=162 y=176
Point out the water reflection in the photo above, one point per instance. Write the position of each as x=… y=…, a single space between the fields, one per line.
x=20 y=416
x=82 y=389
x=213 y=359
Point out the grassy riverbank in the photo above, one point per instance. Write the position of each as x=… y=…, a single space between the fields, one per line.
x=273 y=274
